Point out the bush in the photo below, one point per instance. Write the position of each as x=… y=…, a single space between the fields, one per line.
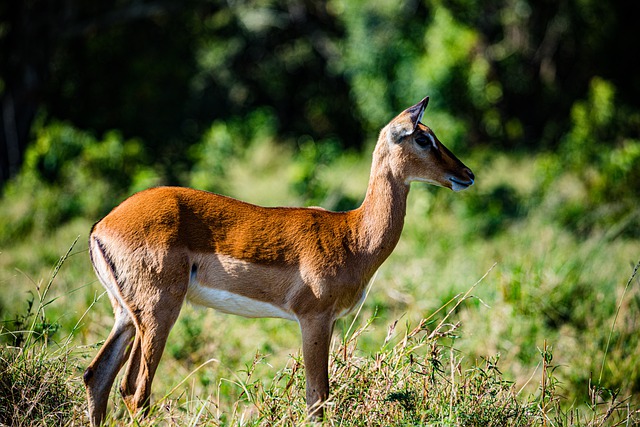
x=69 y=173
x=600 y=151
x=225 y=142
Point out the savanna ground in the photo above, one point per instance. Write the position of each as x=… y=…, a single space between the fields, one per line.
x=502 y=305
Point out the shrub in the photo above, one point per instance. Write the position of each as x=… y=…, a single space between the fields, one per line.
x=69 y=173
x=601 y=149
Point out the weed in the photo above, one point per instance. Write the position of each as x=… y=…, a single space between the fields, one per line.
x=37 y=383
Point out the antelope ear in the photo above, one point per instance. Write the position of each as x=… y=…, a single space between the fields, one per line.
x=407 y=121
x=415 y=113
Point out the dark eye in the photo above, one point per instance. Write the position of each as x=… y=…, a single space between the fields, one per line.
x=423 y=141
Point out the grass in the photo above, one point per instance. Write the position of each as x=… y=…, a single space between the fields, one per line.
x=413 y=378
x=548 y=337
x=37 y=380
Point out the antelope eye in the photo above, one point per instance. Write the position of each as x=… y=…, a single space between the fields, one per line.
x=423 y=141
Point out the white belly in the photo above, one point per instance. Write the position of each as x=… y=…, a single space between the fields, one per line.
x=231 y=303
x=213 y=270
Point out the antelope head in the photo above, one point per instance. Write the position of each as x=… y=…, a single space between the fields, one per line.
x=418 y=155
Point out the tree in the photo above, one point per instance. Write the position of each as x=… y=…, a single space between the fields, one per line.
x=163 y=71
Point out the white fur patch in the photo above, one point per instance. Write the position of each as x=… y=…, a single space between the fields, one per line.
x=421 y=114
x=228 y=302
x=105 y=275
x=432 y=139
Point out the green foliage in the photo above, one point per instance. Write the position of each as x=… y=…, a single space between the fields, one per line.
x=26 y=326
x=69 y=173
x=311 y=157
x=415 y=380
x=375 y=53
x=226 y=142
x=504 y=74
x=500 y=207
x=186 y=341
x=607 y=194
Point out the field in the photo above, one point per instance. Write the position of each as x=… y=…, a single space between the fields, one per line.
x=506 y=304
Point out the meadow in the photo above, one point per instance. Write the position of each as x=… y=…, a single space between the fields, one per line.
x=511 y=303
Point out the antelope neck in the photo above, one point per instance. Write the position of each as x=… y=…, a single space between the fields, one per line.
x=383 y=210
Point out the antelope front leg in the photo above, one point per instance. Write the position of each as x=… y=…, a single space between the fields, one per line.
x=316 y=339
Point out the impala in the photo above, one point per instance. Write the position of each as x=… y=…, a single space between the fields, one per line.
x=165 y=245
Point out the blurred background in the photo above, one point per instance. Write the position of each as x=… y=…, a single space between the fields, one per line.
x=280 y=102
x=509 y=75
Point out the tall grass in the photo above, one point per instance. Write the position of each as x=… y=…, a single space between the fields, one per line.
x=416 y=376
x=38 y=383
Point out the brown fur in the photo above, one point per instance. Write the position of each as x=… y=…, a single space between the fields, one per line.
x=310 y=264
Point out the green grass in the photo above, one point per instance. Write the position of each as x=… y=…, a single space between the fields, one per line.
x=549 y=336
x=414 y=377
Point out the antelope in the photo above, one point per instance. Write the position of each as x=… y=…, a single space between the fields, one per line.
x=165 y=245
